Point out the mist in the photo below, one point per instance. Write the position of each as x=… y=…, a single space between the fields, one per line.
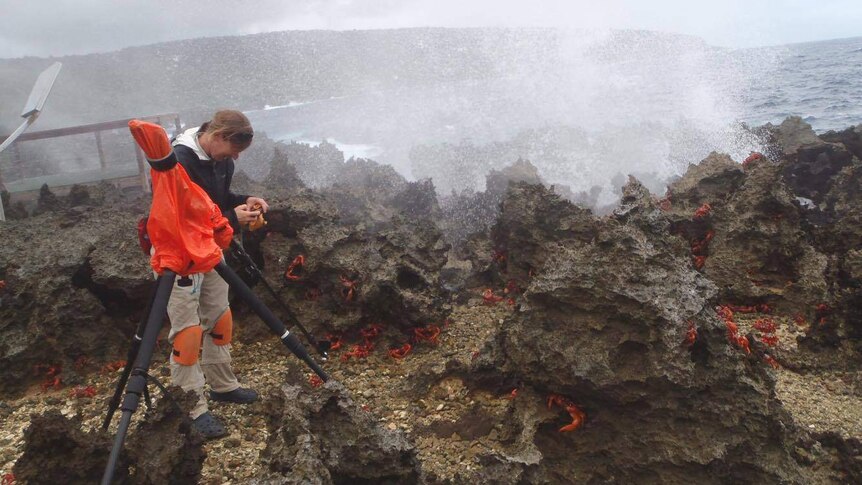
x=586 y=107
x=583 y=106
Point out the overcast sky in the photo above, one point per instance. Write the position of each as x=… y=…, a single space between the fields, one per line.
x=61 y=27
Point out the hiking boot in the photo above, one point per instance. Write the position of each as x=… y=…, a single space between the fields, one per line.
x=209 y=426
x=240 y=395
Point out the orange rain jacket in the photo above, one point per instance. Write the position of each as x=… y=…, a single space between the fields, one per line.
x=187 y=229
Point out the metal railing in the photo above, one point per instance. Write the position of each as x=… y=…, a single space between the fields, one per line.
x=66 y=156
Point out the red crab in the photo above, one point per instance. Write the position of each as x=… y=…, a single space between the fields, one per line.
x=349 y=288
x=732 y=330
x=315 y=381
x=113 y=366
x=370 y=332
x=358 y=351
x=52 y=378
x=429 y=333
x=771 y=361
x=743 y=344
x=489 y=298
x=312 y=294
x=400 y=352
x=703 y=211
x=82 y=392
x=724 y=312
x=754 y=156
x=334 y=341
x=690 y=335
x=578 y=416
x=296 y=265
x=765 y=325
x=770 y=340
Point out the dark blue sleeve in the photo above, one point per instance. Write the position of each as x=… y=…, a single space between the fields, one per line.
x=234 y=199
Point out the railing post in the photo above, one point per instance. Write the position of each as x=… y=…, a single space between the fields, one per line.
x=18 y=163
x=99 y=148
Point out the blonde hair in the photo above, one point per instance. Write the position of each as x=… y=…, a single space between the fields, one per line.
x=230 y=125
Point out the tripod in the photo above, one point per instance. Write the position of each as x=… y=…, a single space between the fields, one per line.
x=141 y=352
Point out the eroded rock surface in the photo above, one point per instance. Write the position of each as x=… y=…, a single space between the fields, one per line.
x=58 y=451
x=324 y=437
x=614 y=314
x=76 y=282
x=604 y=323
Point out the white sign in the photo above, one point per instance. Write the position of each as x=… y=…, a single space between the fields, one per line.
x=41 y=90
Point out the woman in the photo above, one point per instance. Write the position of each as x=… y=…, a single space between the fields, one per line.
x=201 y=320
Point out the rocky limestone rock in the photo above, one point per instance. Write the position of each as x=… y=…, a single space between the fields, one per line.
x=603 y=323
x=161 y=449
x=351 y=277
x=370 y=194
x=164 y=448
x=318 y=166
x=323 y=437
x=758 y=252
x=12 y=211
x=47 y=202
x=809 y=162
x=713 y=179
x=76 y=282
x=851 y=138
x=56 y=450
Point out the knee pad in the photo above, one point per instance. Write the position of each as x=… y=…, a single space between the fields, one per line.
x=222 y=332
x=187 y=345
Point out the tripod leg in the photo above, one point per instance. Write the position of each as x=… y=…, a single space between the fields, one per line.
x=268 y=317
x=240 y=253
x=138 y=380
x=130 y=359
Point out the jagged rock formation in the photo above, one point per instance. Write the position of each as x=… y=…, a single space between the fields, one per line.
x=58 y=451
x=76 y=282
x=758 y=253
x=467 y=213
x=163 y=449
x=371 y=194
x=317 y=166
x=604 y=322
x=352 y=277
x=325 y=437
x=14 y=211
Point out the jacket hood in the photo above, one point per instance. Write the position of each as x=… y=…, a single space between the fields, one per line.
x=189 y=138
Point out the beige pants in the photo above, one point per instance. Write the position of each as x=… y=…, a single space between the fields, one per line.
x=201 y=299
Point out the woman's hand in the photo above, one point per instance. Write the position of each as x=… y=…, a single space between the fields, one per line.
x=252 y=201
x=244 y=215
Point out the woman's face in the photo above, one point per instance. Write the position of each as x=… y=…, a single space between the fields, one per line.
x=221 y=149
